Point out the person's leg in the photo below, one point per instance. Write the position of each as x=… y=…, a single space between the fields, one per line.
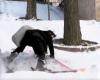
x=39 y=51
x=15 y=53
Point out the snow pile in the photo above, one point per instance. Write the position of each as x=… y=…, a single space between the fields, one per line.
x=2 y=65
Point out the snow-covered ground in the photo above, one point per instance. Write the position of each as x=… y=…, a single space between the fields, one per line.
x=87 y=63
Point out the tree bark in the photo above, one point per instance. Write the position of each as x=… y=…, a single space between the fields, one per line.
x=31 y=9
x=72 y=33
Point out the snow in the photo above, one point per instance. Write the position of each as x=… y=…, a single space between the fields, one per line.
x=87 y=63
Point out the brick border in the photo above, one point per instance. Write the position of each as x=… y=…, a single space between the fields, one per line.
x=78 y=49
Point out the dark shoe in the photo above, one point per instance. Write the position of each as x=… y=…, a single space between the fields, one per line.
x=12 y=57
x=40 y=65
x=52 y=56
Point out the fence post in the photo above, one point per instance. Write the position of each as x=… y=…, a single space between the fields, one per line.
x=48 y=11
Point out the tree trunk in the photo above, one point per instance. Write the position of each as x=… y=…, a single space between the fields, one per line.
x=31 y=9
x=72 y=33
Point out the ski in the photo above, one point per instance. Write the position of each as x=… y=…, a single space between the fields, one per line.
x=56 y=64
x=67 y=67
x=50 y=71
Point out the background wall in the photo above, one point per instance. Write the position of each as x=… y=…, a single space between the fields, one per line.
x=98 y=9
x=87 y=9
